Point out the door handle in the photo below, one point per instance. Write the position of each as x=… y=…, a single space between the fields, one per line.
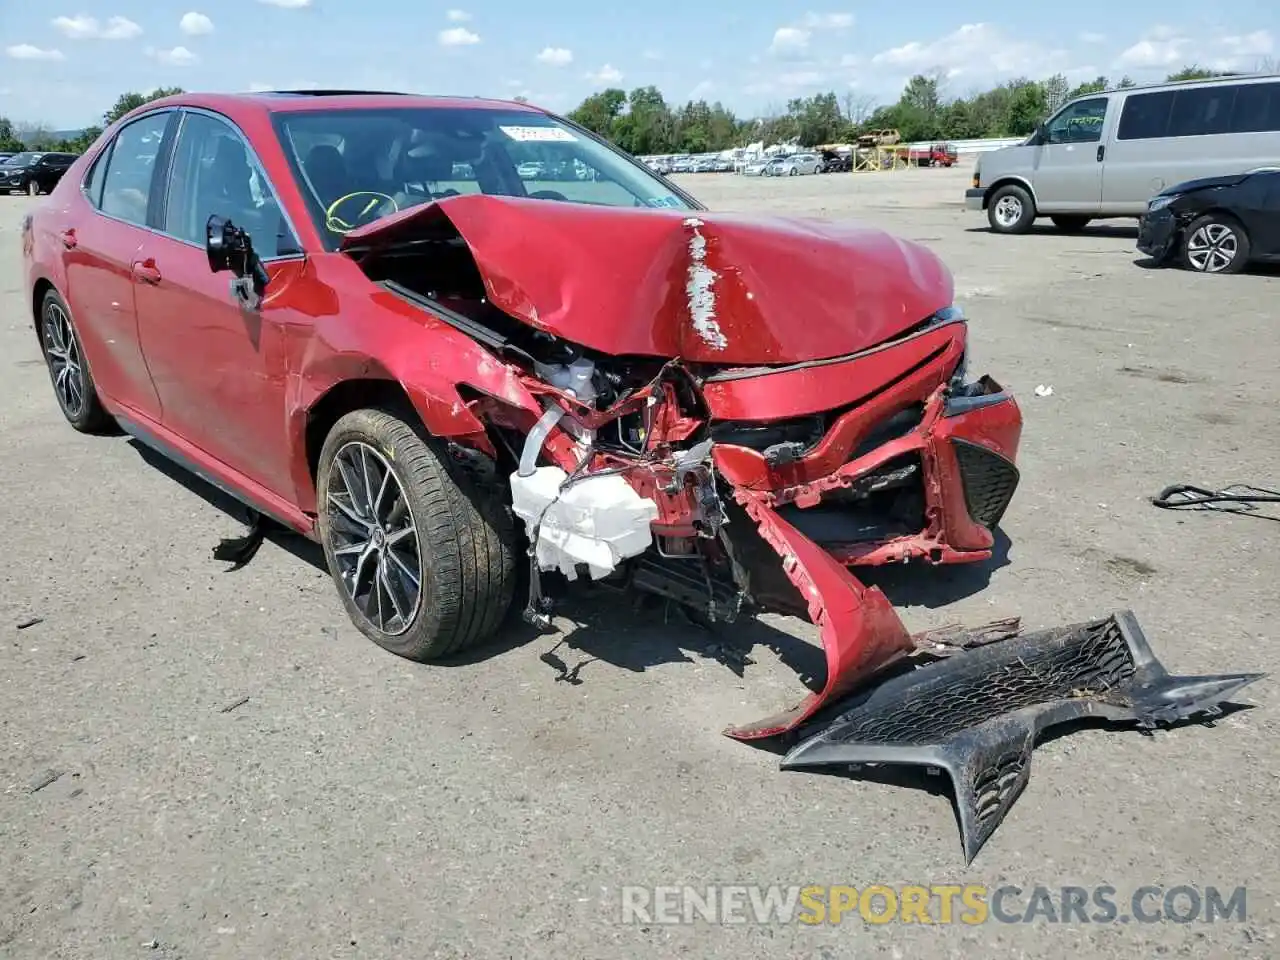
x=1102 y=152
x=146 y=271
x=68 y=238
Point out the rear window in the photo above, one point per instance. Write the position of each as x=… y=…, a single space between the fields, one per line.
x=1146 y=115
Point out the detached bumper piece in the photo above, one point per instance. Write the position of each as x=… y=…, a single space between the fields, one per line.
x=977 y=714
x=989 y=482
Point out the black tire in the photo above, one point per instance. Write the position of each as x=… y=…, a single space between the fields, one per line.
x=465 y=537
x=1215 y=243
x=1071 y=224
x=61 y=346
x=1011 y=210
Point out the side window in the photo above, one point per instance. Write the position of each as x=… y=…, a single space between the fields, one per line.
x=97 y=174
x=1146 y=116
x=126 y=189
x=1080 y=122
x=215 y=173
x=1257 y=108
x=1201 y=111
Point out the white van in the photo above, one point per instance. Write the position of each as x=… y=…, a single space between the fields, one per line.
x=1107 y=154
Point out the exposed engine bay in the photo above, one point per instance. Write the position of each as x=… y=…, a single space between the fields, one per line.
x=735 y=487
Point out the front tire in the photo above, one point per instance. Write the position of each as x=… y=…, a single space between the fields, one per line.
x=421 y=550
x=1215 y=243
x=68 y=369
x=1011 y=210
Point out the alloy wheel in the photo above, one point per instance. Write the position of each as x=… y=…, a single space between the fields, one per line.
x=66 y=365
x=373 y=538
x=1008 y=211
x=1212 y=248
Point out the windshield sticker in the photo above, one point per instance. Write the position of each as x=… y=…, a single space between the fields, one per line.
x=539 y=134
x=667 y=202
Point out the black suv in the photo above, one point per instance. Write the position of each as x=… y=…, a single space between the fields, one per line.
x=34 y=172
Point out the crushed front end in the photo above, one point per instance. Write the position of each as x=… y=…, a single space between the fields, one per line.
x=744 y=490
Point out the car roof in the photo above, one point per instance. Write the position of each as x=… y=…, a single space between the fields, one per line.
x=237 y=105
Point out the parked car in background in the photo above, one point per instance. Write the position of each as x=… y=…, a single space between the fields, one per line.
x=794 y=165
x=755 y=168
x=33 y=172
x=835 y=162
x=1107 y=154
x=1216 y=224
x=934 y=155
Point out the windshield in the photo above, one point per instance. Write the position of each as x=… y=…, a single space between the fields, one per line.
x=24 y=159
x=357 y=166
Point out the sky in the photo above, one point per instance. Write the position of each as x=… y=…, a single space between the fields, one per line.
x=62 y=65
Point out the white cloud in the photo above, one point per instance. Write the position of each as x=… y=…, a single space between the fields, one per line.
x=458 y=16
x=978 y=50
x=195 y=24
x=851 y=60
x=701 y=90
x=790 y=42
x=828 y=21
x=801 y=78
x=287 y=4
x=606 y=74
x=84 y=27
x=652 y=54
x=458 y=37
x=1164 y=48
x=176 y=57
x=1093 y=37
x=555 y=56
x=25 y=51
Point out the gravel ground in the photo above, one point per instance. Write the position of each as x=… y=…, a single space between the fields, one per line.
x=357 y=805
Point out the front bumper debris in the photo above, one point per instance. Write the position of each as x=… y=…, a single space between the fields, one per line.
x=1158 y=234
x=977 y=714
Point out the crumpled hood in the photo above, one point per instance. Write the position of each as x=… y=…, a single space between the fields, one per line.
x=1203 y=183
x=706 y=287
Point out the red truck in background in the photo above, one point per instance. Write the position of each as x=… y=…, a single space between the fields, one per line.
x=934 y=155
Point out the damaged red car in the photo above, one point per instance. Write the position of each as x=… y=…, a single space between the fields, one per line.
x=467 y=345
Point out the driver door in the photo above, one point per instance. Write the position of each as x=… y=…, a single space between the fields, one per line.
x=217 y=364
x=1068 y=175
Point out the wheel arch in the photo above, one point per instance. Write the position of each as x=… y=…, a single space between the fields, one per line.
x=1010 y=180
x=39 y=290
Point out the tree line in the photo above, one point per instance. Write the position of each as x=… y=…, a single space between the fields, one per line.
x=643 y=122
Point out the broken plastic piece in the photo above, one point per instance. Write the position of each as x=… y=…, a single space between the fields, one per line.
x=596 y=521
x=977 y=715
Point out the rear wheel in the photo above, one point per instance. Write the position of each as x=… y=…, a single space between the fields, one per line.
x=1216 y=243
x=1011 y=210
x=420 y=547
x=68 y=369
x=1071 y=224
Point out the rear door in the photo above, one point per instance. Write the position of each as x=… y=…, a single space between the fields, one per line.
x=1068 y=172
x=100 y=238
x=218 y=365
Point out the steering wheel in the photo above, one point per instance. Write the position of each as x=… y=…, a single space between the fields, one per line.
x=369 y=212
x=548 y=195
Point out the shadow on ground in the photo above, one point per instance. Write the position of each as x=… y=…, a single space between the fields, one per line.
x=1116 y=230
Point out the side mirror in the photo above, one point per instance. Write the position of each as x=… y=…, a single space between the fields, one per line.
x=229 y=247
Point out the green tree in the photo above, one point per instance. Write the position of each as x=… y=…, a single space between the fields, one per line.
x=1197 y=72
x=599 y=110
x=131 y=101
x=9 y=141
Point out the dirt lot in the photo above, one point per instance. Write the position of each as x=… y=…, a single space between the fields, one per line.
x=360 y=805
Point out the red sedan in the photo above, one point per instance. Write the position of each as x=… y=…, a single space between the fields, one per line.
x=442 y=335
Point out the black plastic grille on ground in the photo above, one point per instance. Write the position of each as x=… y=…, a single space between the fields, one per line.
x=989 y=481
x=1093 y=662
x=976 y=714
